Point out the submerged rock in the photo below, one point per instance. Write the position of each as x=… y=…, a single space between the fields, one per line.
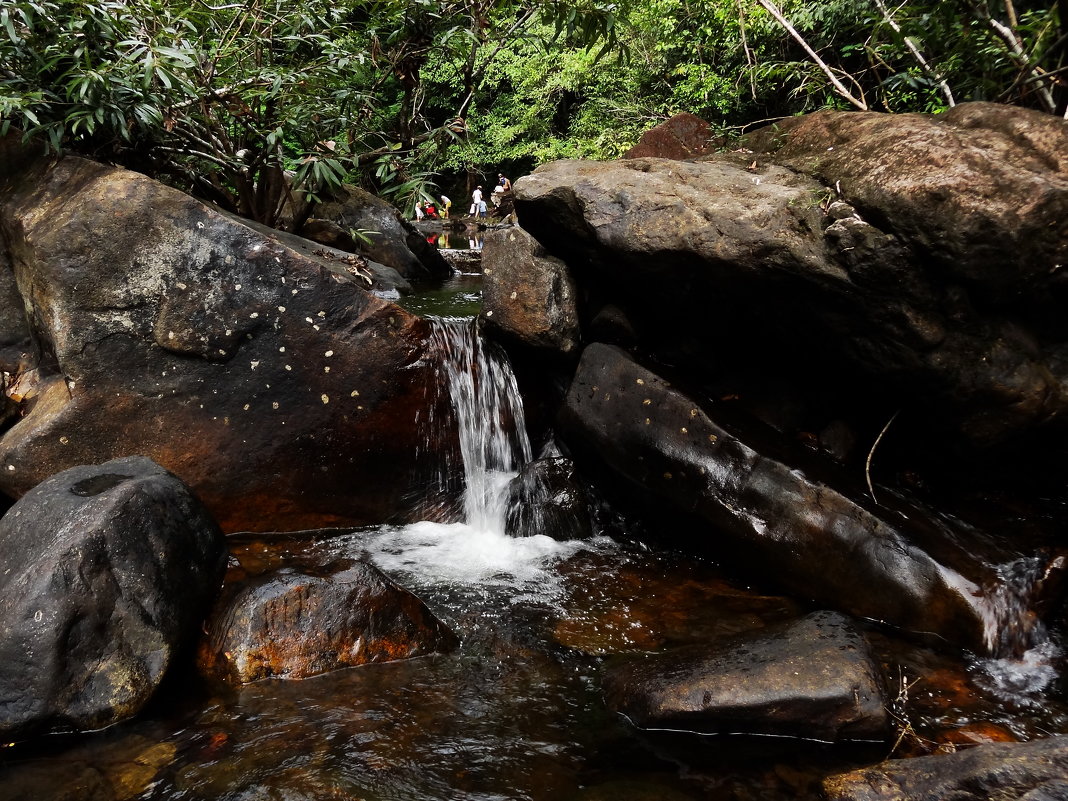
x=814 y=678
x=108 y=571
x=271 y=382
x=294 y=623
x=629 y=426
x=1035 y=771
x=548 y=498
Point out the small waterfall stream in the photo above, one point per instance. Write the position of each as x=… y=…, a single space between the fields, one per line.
x=489 y=415
x=473 y=550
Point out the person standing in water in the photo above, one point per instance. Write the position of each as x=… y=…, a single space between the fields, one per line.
x=476 y=201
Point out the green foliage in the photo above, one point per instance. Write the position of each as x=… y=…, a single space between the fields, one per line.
x=228 y=99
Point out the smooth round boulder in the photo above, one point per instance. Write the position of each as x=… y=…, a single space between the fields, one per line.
x=814 y=678
x=107 y=573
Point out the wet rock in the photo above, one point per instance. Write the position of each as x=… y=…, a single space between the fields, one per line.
x=386 y=236
x=293 y=623
x=528 y=296
x=911 y=258
x=683 y=136
x=108 y=571
x=269 y=381
x=814 y=678
x=630 y=427
x=1035 y=770
x=548 y=498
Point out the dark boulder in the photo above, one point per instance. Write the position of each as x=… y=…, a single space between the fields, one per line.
x=683 y=136
x=383 y=235
x=870 y=262
x=108 y=572
x=1035 y=771
x=299 y=622
x=528 y=297
x=164 y=328
x=547 y=497
x=813 y=678
x=631 y=428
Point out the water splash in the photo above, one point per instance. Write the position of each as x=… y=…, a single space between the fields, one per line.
x=1025 y=661
x=471 y=551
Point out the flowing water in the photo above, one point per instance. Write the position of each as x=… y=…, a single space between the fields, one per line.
x=516 y=711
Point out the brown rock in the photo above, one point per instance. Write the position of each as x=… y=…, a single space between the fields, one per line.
x=813 y=678
x=528 y=296
x=293 y=624
x=1035 y=771
x=272 y=383
x=683 y=136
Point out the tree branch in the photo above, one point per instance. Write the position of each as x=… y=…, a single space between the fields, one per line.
x=924 y=64
x=839 y=87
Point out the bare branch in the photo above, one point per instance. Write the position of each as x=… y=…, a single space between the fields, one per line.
x=915 y=51
x=839 y=87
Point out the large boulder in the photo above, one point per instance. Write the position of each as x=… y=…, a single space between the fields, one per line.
x=294 y=623
x=626 y=425
x=979 y=193
x=271 y=382
x=917 y=267
x=1032 y=771
x=107 y=574
x=528 y=297
x=814 y=678
x=383 y=235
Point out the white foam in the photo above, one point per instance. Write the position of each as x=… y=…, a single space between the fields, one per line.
x=1022 y=681
x=457 y=553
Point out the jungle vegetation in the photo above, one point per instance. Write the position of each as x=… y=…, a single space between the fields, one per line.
x=224 y=98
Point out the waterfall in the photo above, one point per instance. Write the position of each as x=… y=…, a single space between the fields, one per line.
x=489 y=415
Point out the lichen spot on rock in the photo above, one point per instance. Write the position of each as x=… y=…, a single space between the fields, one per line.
x=326 y=399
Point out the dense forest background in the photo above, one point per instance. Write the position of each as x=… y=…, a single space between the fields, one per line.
x=225 y=99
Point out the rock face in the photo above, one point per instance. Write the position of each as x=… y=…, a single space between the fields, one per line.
x=631 y=427
x=108 y=571
x=548 y=498
x=390 y=239
x=814 y=678
x=1035 y=771
x=683 y=136
x=293 y=624
x=528 y=296
x=919 y=264
x=273 y=384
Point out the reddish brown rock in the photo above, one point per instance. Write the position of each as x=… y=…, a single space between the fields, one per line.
x=295 y=623
x=271 y=382
x=683 y=136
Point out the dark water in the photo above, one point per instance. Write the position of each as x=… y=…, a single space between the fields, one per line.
x=516 y=711
x=458 y=297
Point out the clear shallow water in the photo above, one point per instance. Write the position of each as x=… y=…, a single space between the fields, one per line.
x=514 y=713
x=458 y=297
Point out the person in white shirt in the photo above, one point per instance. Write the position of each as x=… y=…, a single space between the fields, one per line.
x=476 y=201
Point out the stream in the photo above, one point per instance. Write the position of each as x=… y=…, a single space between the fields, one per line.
x=516 y=711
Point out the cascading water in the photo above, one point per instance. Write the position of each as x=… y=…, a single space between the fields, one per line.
x=489 y=414
x=475 y=551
